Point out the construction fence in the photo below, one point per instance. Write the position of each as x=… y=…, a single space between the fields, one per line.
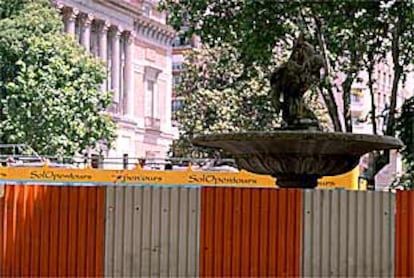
x=181 y=231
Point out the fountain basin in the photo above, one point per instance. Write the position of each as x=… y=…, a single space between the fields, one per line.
x=297 y=158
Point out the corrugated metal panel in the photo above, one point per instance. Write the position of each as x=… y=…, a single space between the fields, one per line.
x=250 y=232
x=404 y=253
x=348 y=233
x=51 y=231
x=152 y=232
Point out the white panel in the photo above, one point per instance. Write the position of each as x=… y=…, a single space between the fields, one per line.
x=152 y=232
x=348 y=233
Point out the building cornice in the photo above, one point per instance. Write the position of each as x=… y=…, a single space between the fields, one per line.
x=154 y=30
x=133 y=10
x=145 y=26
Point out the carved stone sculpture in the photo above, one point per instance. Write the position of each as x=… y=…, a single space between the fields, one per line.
x=291 y=80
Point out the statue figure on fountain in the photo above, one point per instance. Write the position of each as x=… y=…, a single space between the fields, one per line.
x=291 y=80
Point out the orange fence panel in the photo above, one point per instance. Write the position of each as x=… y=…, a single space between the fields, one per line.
x=404 y=246
x=52 y=231
x=250 y=232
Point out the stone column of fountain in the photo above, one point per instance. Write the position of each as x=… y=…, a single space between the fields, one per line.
x=299 y=152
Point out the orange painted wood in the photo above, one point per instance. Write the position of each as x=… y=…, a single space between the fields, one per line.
x=264 y=238
x=54 y=235
x=63 y=230
x=72 y=232
x=218 y=232
x=227 y=233
x=28 y=197
x=45 y=231
x=250 y=232
x=82 y=232
x=2 y=243
x=99 y=231
x=91 y=225
x=256 y=233
x=36 y=226
x=404 y=245
x=245 y=232
x=9 y=249
x=234 y=237
x=52 y=231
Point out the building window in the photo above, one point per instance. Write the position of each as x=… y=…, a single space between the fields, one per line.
x=181 y=40
x=176 y=80
x=177 y=66
x=151 y=99
x=177 y=104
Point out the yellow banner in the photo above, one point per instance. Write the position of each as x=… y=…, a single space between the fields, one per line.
x=139 y=176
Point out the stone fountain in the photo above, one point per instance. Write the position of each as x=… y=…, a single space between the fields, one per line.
x=299 y=152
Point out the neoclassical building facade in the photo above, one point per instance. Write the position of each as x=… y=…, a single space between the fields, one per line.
x=135 y=43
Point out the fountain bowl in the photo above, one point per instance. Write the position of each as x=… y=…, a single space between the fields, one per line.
x=297 y=158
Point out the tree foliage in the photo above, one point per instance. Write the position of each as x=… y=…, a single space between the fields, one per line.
x=49 y=85
x=405 y=128
x=352 y=36
x=218 y=99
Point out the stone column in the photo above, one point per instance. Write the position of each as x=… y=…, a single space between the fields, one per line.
x=85 y=36
x=128 y=99
x=115 y=61
x=69 y=17
x=103 y=49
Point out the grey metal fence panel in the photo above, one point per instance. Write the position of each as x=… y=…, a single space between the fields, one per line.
x=348 y=233
x=152 y=232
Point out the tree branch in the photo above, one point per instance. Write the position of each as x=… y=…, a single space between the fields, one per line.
x=328 y=97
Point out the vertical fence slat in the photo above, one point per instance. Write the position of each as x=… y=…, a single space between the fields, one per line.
x=127 y=231
x=260 y=241
x=63 y=245
x=404 y=242
x=40 y=236
x=152 y=236
x=165 y=230
x=264 y=237
x=36 y=223
x=353 y=230
x=227 y=233
x=54 y=232
x=156 y=231
x=2 y=227
x=246 y=231
x=236 y=234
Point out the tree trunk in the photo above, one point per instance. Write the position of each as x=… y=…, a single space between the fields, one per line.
x=346 y=97
x=390 y=130
x=372 y=94
x=383 y=159
x=328 y=96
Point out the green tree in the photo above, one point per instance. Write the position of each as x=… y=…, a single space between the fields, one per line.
x=351 y=35
x=49 y=85
x=405 y=128
x=217 y=98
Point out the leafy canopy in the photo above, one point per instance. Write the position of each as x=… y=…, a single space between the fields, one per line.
x=49 y=85
x=216 y=98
